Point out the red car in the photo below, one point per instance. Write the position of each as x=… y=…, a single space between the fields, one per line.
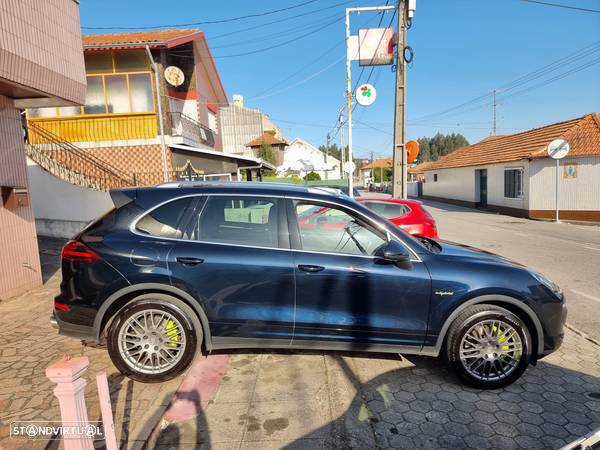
x=406 y=214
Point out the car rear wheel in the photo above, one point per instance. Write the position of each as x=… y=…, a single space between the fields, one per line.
x=151 y=341
x=488 y=346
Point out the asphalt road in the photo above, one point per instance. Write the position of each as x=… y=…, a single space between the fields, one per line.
x=568 y=254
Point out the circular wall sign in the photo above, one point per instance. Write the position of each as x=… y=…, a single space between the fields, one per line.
x=558 y=149
x=174 y=76
x=349 y=167
x=365 y=94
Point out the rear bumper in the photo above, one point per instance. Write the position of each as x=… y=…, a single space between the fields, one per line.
x=71 y=330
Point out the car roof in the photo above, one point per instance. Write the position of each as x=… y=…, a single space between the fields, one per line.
x=389 y=200
x=246 y=186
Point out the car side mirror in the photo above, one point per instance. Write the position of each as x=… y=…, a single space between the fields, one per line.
x=397 y=253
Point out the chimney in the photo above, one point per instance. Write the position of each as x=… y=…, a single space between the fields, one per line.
x=238 y=100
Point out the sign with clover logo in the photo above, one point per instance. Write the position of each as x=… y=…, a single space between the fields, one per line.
x=365 y=94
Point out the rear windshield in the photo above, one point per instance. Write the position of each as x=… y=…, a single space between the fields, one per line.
x=387 y=209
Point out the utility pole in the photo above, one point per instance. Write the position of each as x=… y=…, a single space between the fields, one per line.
x=326 y=154
x=399 y=170
x=494 y=115
x=342 y=144
x=163 y=145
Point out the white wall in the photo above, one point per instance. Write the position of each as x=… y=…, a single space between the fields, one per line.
x=462 y=184
x=60 y=208
x=581 y=193
x=412 y=188
x=309 y=156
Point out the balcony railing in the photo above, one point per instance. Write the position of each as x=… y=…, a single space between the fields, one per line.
x=95 y=129
x=190 y=129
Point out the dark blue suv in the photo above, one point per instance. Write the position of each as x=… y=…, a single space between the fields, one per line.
x=183 y=268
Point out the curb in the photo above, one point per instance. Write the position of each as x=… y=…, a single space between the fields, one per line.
x=582 y=334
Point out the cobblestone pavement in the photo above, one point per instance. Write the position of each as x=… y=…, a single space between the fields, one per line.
x=30 y=344
x=307 y=400
x=329 y=400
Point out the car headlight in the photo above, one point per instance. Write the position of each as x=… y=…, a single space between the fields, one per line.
x=548 y=283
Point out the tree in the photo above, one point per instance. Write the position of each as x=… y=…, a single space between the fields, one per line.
x=268 y=153
x=431 y=149
x=312 y=176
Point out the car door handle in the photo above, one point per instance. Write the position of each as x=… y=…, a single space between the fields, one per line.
x=189 y=260
x=310 y=268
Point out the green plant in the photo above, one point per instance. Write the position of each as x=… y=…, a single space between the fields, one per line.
x=312 y=176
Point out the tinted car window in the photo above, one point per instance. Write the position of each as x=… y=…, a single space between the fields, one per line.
x=332 y=230
x=388 y=210
x=238 y=220
x=165 y=220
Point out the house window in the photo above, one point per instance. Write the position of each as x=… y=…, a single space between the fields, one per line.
x=513 y=183
x=435 y=177
x=117 y=83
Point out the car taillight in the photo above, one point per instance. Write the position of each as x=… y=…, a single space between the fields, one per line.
x=61 y=306
x=78 y=252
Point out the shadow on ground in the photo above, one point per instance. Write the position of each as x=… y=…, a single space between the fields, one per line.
x=420 y=404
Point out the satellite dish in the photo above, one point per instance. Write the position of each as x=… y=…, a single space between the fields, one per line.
x=558 y=149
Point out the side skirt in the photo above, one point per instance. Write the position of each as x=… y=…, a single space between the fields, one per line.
x=221 y=343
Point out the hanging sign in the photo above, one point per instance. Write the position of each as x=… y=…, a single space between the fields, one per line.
x=412 y=148
x=174 y=76
x=365 y=94
x=375 y=46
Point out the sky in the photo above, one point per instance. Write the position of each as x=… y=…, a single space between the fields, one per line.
x=463 y=50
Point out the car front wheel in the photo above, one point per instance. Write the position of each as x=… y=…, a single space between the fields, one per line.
x=151 y=341
x=488 y=346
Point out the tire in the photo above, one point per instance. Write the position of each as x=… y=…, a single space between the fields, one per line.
x=151 y=340
x=494 y=343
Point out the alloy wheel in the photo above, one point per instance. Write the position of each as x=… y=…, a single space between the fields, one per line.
x=491 y=350
x=152 y=341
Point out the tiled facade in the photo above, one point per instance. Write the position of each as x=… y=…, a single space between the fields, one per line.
x=141 y=162
x=40 y=50
x=19 y=261
x=41 y=63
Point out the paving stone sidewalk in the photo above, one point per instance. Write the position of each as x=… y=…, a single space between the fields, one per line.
x=30 y=344
x=304 y=400
x=329 y=400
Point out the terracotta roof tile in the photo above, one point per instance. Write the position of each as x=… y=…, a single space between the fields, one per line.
x=582 y=134
x=141 y=37
x=266 y=138
x=378 y=163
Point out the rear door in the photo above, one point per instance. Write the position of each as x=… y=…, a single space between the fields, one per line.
x=236 y=261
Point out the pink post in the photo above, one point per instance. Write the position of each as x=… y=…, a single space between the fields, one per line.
x=69 y=391
x=106 y=410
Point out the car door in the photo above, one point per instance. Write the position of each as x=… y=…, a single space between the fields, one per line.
x=346 y=296
x=236 y=261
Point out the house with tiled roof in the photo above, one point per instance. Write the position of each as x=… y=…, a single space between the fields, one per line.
x=514 y=174
x=119 y=125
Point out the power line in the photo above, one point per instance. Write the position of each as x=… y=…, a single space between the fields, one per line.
x=284 y=19
x=207 y=22
x=482 y=100
x=558 y=5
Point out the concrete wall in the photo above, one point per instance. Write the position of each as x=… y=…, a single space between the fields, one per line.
x=462 y=184
x=576 y=194
x=412 y=188
x=60 y=208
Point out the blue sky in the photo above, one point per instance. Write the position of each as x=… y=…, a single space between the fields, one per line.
x=463 y=49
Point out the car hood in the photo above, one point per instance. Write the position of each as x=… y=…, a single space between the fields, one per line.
x=453 y=249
